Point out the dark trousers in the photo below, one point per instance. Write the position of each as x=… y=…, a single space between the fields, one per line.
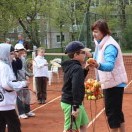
x=11 y=119
x=41 y=87
x=22 y=108
x=113 y=106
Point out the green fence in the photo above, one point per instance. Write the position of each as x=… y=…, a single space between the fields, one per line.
x=119 y=25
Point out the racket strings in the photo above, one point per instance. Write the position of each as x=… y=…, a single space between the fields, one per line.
x=27 y=96
x=29 y=65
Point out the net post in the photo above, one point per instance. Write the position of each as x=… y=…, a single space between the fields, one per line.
x=33 y=56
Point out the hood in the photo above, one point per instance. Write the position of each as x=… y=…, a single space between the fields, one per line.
x=66 y=65
x=5 y=53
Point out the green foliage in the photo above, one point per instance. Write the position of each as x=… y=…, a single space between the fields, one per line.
x=67 y=16
x=127 y=38
x=61 y=15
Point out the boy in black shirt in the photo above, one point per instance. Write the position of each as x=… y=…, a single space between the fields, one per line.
x=73 y=90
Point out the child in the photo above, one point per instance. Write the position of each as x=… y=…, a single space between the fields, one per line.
x=8 y=85
x=23 y=109
x=73 y=90
x=41 y=75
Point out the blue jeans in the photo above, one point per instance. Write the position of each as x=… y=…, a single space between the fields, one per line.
x=22 y=108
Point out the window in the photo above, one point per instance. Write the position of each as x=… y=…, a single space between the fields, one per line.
x=58 y=37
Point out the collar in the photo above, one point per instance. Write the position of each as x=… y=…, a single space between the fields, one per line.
x=103 y=41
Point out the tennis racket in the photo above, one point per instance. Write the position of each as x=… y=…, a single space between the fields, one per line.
x=29 y=66
x=27 y=96
x=73 y=121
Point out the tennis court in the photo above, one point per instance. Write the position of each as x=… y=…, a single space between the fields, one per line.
x=49 y=117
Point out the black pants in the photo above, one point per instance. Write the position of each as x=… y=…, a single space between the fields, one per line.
x=113 y=106
x=11 y=119
x=41 y=86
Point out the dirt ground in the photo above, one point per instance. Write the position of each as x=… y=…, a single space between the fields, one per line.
x=49 y=116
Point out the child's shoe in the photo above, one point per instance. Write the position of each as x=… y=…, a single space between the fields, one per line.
x=30 y=114
x=23 y=116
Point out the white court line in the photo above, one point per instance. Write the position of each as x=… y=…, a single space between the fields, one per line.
x=91 y=122
x=46 y=103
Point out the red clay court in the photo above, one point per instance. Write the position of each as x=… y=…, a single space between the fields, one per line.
x=49 y=117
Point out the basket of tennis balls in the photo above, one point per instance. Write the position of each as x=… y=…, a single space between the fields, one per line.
x=93 y=90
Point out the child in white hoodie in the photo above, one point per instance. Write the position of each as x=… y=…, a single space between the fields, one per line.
x=8 y=88
x=41 y=75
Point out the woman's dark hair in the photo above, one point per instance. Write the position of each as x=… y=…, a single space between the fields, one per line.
x=102 y=26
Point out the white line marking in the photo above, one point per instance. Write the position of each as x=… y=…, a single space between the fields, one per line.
x=91 y=122
x=46 y=103
x=128 y=84
x=58 y=98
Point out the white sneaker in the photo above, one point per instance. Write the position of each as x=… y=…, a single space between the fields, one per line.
x=23 y=116
x=30 y=114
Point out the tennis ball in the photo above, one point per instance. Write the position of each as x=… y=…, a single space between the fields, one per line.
x=90 y=61
x=89 y=97
x=97 y=85
x=88 y=91
x=93 y=97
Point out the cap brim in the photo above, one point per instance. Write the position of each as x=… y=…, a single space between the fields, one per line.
x=20 y=49
x=86 y=49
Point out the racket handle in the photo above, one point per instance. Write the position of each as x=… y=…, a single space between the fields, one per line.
x=75 y=107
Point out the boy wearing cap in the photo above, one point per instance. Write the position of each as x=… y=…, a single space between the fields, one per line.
x=73 y=90
x=23 y=109
x=8 y=88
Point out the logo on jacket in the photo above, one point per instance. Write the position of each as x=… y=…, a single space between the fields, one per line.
x=1 y=97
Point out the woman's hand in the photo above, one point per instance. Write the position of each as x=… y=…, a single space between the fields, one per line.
x=92 y=63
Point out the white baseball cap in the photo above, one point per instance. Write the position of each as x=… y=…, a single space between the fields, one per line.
x=19 y=46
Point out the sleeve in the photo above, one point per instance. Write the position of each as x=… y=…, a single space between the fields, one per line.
x=110 y=55
x=38 y=64
x=77 y=84
x=7 y=80
x=85 y=72
x=18 y=63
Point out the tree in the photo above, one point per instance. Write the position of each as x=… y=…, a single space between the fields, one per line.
x=25 y=13
x=122 y=7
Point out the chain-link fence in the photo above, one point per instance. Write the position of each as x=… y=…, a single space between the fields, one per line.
x=120 y=26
